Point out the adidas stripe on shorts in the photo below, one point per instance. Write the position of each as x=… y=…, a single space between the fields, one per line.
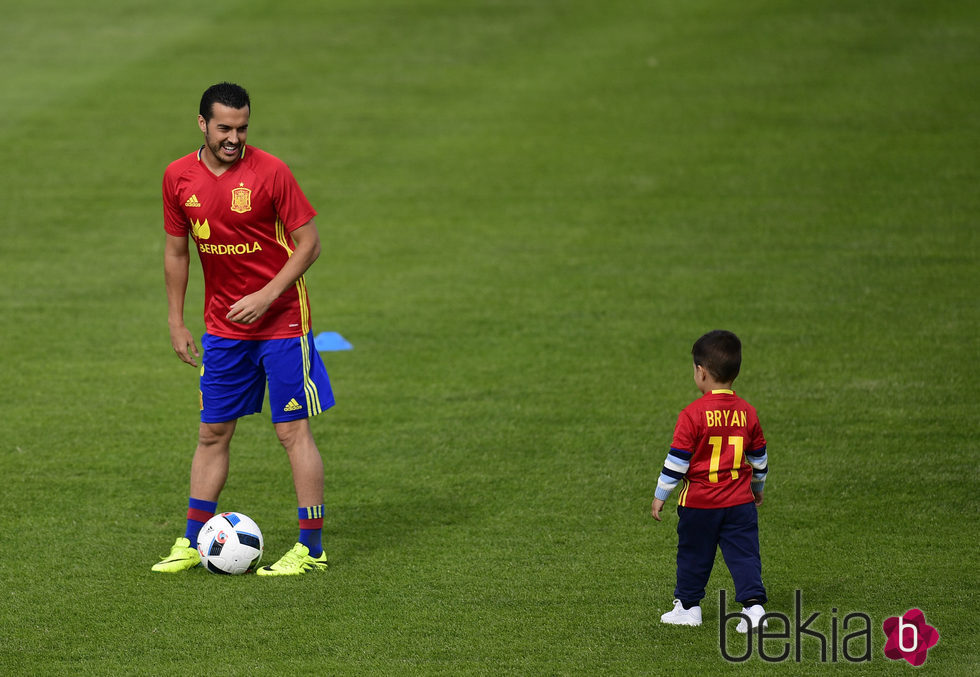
x=234 y=375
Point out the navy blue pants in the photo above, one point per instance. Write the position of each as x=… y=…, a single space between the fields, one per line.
x=700 y=532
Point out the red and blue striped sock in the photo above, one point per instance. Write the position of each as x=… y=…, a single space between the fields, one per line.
x=311 y=529
x=198 y=512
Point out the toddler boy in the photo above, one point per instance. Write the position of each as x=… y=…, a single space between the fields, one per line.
x=718 y=455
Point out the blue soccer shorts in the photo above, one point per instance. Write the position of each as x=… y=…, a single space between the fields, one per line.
x=234 y=375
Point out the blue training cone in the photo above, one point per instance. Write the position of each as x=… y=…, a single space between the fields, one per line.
x=331 y=340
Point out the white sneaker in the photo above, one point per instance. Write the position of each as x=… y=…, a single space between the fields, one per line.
x=682 y=616
x=754 y=612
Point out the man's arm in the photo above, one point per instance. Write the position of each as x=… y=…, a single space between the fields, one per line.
x=176 y=261
x=250 y=308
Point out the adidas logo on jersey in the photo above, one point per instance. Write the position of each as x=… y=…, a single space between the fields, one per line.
x=292 y=406
x=192 y=201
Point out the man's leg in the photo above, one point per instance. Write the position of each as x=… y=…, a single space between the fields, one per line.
x=304 y=459
x=307 y=465
x=209 y=470
x=298 y=389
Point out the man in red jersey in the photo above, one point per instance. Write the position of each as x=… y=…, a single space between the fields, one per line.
x=253 y=230
x=719 y=456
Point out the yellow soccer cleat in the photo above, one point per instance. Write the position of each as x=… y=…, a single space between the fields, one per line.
x=181 y=558
x=296 y=561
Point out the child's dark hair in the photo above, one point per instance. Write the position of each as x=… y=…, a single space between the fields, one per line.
x=225 y=93
x=720 y=352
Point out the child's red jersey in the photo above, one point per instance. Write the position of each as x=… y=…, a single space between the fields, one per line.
x=241 y=223
x=718 y=430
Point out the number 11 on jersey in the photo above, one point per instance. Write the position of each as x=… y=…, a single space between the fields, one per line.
x=735 y=444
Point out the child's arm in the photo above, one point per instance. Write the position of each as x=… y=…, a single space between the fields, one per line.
x=675 y=467
x=759 y=461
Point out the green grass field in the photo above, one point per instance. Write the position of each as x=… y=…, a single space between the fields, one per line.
x=529 y=211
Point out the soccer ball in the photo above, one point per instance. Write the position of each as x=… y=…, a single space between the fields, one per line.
x=230 y=543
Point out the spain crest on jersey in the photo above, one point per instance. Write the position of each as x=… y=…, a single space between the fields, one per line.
x=241 y=199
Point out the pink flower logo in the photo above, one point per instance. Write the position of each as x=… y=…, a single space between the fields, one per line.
x=909 y=637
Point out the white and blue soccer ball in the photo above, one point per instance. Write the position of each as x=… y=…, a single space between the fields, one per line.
x=230 y=543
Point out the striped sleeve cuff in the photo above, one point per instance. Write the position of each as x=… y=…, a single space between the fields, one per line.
x=759 y=460
x=675 y=467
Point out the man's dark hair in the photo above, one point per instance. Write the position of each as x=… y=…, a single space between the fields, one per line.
x=225 y=93
x=720 y=352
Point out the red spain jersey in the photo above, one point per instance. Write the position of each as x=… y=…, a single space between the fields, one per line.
x=240 y=223
x=718 y=430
